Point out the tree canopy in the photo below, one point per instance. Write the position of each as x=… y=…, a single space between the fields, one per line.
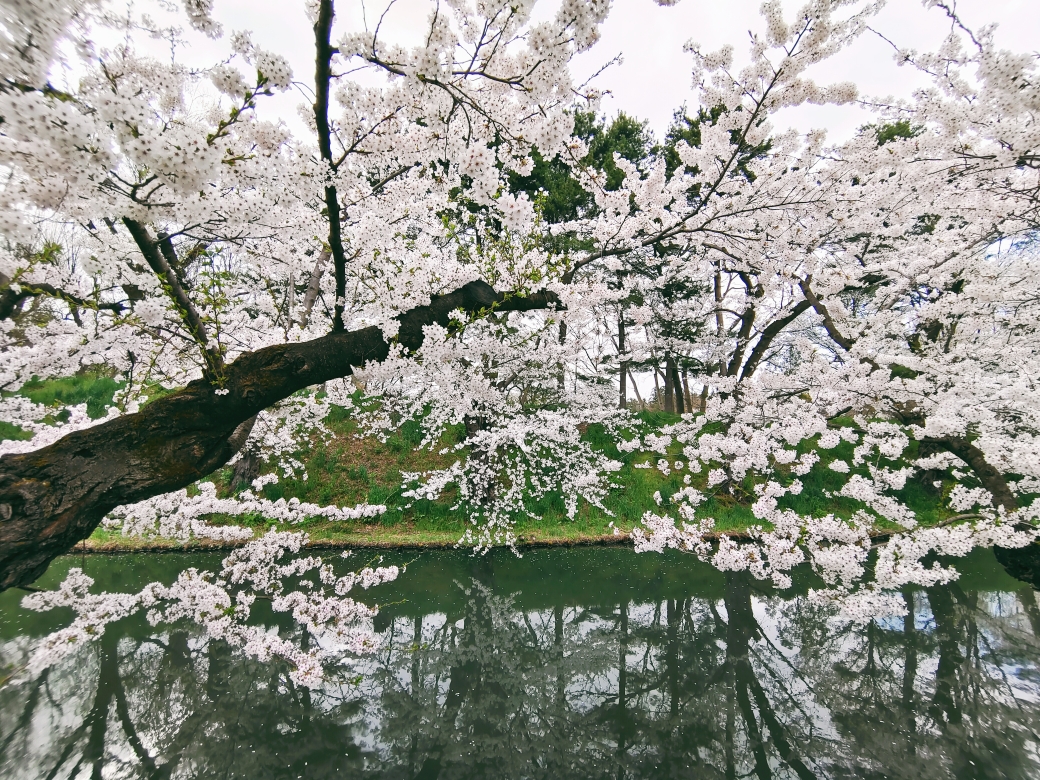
x=460 y=238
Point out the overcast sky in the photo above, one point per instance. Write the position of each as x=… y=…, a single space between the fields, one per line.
x=655 y=76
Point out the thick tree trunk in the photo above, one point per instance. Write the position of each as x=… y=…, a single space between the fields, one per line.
x=677 y=387
x=246 y=469
x=53 y=497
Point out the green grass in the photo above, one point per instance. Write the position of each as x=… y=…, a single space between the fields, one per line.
x=95 y=390
x=350 y=469
x=10 y=431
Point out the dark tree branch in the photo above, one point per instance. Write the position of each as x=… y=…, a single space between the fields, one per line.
x=10 y=300
x=765 y=340
x=990 y=477
x=172 y=285
x=52 y=498
x=165 y=244
x=828 y=323
x=909 y=414
x=323 y=51
x=747 y=321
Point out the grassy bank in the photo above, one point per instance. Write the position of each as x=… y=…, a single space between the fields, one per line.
x=350 y=469
x=361 y=537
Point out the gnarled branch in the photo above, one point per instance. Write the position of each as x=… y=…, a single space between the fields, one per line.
x=54 y=497
x=171 y=282
x=10 y=300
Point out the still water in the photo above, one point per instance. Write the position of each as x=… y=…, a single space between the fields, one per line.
x=567 y=663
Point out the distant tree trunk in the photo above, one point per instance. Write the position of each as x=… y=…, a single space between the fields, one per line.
x=623 y=364
x=720 y=322
x=677 y=386
x=245 y=470
x=657 y=386
x=562 y=371
x=669 y=384
x=290 y=299
x=686 y=389
x=635 y=389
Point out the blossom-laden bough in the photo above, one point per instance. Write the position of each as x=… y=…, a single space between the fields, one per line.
x=878 y=293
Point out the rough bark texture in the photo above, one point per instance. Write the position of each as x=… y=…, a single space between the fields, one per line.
x=246 y=469
x=52 y=498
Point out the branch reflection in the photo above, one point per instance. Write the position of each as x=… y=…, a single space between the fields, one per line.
x=490 y=670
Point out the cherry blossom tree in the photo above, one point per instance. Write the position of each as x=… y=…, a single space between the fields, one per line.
x=879 y=292
x=187 y=233
x=874 y=292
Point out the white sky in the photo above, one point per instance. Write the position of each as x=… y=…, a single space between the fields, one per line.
x=655 y=76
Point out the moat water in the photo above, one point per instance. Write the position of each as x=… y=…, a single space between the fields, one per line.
x=566 y=663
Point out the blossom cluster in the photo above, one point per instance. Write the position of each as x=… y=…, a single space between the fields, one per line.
x=180 y=516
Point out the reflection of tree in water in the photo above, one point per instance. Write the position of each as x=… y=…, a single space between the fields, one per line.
x=176 y=705
x=936 y=698
x=731 y=684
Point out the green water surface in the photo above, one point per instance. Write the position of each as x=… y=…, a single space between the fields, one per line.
x=566 y=663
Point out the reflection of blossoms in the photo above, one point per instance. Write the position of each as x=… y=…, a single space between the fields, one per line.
x=676 y=659
x=93 y=613
x=221 y=603
x=836 y=548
